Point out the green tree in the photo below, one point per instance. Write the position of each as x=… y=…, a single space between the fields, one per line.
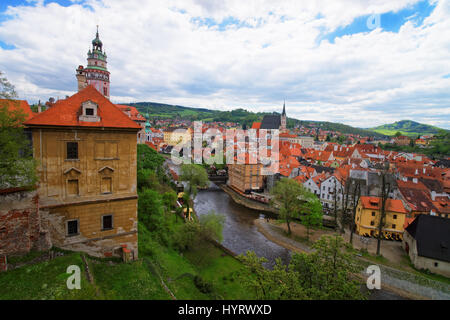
x=328 y=273
x=194 y=233
x=311 y=209
x=195 y=177
x=286 y=194
x=169 y=200
x=151 y=214
x=17 y=166
x=278 y=283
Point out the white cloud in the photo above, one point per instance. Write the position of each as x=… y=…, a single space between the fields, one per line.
x=163 y=51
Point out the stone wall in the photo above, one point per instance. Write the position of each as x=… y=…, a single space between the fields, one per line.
x=21 y=228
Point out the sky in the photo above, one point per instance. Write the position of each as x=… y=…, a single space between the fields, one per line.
x=359 y=62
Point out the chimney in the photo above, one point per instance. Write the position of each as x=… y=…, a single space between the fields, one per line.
x=417 y=172
x=433 y=195
x=39 y=107
x=81 y=78
x=424 y=170
x=414 y=180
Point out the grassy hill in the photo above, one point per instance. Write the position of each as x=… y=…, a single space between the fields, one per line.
x=408 y=128
x=241 y=116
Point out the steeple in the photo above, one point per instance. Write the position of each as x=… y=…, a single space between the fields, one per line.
x=283 y=118
x=96 y=73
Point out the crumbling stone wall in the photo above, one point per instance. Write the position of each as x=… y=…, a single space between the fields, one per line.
x=21 y=228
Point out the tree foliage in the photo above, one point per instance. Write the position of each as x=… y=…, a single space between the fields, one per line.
x=193 y=233
x=17 y=166
x=325 y=274
x=286 y=194
x=7 y=90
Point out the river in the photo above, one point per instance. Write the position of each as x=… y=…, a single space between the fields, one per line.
x=240 y=233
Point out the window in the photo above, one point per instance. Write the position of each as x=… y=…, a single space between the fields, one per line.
x=436 y=264
x=89 y=111
x=372 y=223
x=72 y=227
x=105 y=91
x=393 y=226
x=373 y=213
x=395 y=217
x=107 y=222
x=72 y=150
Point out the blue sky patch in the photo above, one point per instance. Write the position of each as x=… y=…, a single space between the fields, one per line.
x=390 y=21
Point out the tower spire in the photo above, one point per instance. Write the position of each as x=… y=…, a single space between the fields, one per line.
x=284 y=108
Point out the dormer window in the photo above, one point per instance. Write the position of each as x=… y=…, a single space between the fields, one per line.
x=89 y=112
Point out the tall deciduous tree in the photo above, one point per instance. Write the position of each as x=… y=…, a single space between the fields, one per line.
x=311 y=211
x=286 y=194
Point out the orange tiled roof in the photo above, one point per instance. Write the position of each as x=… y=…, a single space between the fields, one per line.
x=256 y=125
x=65 y=112
x=17 y=105
x=375 y=204
x=134 y=113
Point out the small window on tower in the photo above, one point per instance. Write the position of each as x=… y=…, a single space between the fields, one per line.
x=105 y=91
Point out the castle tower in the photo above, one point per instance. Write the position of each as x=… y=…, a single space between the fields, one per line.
x=96 y=72
x=283 y=118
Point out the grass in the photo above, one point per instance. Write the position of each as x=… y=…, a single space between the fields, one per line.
x=127 y=281
x=135 y=280
x=219 y=269
x=45 y=280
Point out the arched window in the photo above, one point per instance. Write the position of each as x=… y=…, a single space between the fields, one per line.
x=105 y=91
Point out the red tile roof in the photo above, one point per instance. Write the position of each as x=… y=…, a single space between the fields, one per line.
x=65 y=112
x=256 y=125
x=133 y=112
x=17 y=105
x=375 y=204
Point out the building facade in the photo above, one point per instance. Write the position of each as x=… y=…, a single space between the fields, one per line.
x=86 y=148
x=368 y=214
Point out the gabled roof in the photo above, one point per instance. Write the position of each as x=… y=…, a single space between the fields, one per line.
x=432 y=235
x=65 y=112
x=374 y=203
x=133 y=112
x=17 y=105
x=271 y=122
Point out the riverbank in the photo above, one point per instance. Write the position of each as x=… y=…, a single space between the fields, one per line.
x=248 y=203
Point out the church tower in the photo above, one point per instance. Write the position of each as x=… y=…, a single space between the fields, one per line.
x=96 y=72
x=283 y=118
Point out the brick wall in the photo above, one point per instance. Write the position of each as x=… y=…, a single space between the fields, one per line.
x=21 y=229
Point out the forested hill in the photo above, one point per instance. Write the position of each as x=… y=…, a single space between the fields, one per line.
x=407 y=127
x=241 y=116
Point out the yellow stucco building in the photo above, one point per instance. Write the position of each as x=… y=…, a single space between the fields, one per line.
x=368 y=214
x=174 y=136
x=86 y=150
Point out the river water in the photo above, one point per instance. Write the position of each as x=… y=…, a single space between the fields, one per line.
x=240 y=233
